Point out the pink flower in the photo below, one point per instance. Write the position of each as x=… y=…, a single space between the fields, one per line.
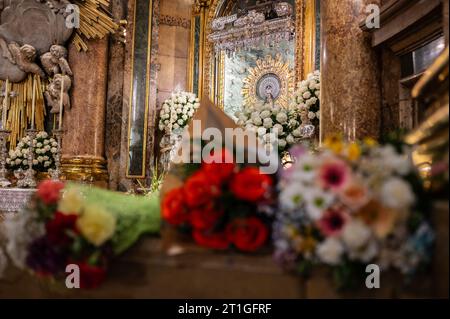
x=333 y=221
x=297 y=151
x=334 y=174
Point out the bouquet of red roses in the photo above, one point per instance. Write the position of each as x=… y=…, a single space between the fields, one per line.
x=221 y=204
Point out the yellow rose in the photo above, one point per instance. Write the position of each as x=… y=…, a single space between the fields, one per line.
x=353 y=152
x=370 y=142
x=71 y=202
x=96 y=225
x=335 y=144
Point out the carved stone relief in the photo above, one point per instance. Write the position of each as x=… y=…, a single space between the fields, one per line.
x=21 y=43
x=55 y=61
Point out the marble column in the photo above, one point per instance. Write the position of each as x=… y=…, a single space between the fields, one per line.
x=116 y=73
x=351 y=94
x=84 y=138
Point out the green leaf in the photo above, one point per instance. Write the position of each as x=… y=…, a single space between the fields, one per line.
x=305 y=267
x=94 y=259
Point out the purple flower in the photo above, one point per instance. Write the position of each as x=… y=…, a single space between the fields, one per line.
x=44 y=259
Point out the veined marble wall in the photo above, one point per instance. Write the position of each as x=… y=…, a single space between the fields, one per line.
x=237 y=69
x=173 y=53
x=168 y=71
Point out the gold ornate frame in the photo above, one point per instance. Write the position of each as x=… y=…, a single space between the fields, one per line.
x=269 y=65
x=210 y=64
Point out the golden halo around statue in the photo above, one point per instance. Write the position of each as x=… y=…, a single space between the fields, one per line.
x=270 y=80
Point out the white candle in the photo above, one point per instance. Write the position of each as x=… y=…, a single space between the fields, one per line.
x=33 y=103
x=61 y=103
x=5 y=104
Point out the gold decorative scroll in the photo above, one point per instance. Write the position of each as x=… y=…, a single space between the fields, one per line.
x=95 y=22
x=20 y=106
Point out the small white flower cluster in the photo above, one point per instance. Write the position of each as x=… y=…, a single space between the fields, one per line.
x=272 y=124
x=307 y=99
x=45 y=149
x=177 y=111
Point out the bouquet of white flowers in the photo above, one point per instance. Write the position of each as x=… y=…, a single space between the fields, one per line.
x=307 y=99
x=177 y=111
x=45 y=149
x=351 y=205
x=272 y=124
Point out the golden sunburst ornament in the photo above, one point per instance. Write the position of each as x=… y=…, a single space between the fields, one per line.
x=96 y=22
x=270 y=80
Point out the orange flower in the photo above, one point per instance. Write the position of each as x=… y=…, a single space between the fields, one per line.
x=381 y=219
x=355 y=195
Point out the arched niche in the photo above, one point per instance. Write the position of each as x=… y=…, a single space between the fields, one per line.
x=207 y=68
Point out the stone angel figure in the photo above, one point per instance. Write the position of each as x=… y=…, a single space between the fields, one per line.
x=55 y=61
x=24 y=57
x=53 y=93
x=17 y=61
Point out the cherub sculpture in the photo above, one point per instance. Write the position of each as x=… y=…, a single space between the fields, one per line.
x=24 y=57
x=55 y=61
x=17 y=61
x=53 y=93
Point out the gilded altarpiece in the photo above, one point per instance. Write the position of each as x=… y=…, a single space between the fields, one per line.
x=222 y=77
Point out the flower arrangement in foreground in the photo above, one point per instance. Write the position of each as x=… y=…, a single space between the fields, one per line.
x=351 y=205
x=274 y=125
x=307 y=99
x=177 y=111
x=82 y=226
x=45 y=148
x=222 y=204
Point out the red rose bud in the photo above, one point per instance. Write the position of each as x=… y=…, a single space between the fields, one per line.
x=200 y=189
x=49 y=191
x=216 y=241
x=57 y=228
x=174 y=209
x=219 y=165
x=91 y=277
x=247 y=234
x=250 y=184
